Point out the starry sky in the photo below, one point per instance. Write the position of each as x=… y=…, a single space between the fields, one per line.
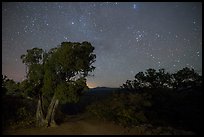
x=128 y=37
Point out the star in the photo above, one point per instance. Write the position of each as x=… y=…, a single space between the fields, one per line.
x=126 y=40
x=59 y=6
x=157 y=35
x=134 y=6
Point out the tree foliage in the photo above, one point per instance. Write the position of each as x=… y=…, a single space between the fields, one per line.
x=186 y=78
x=34 y=62
x=9 y=86
x=3 y=85
x=161 y=79
x=68 y=66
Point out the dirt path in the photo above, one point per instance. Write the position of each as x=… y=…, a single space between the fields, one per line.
x=80 y=127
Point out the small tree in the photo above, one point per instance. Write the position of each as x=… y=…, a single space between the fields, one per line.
x=3 y=84
x=9 y=86
x=186 y=77
x=150 y=79
x=58 y=75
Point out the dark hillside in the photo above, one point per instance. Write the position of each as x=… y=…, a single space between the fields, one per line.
x=89 y=96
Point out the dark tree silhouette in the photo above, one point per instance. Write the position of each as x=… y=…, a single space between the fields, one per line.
x=9 y=86
x=185 y=78
x=3 y=84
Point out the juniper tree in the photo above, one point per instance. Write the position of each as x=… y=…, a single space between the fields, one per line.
x=58 y=75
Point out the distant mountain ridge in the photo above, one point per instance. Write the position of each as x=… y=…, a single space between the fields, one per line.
x=89 y=96
x=101 y=90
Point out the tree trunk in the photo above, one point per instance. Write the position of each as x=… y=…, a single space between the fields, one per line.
x=52 y=120
x=42 y=106
x=39 y=113
x=51 y=112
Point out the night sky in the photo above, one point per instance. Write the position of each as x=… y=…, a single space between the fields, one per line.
x=128 y=37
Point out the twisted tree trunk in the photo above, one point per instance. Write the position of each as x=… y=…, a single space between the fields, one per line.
x=52 y=120
x=49 y=121
x=40 y=121
x=51 y=112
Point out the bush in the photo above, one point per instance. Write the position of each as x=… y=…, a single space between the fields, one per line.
x=125 y=109
x=18 y=112
x=159 y=107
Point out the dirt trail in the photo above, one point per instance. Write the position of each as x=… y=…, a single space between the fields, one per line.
x=80 y=127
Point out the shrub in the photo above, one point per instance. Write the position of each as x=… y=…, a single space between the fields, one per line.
x=17 y=112
x=125 y=109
